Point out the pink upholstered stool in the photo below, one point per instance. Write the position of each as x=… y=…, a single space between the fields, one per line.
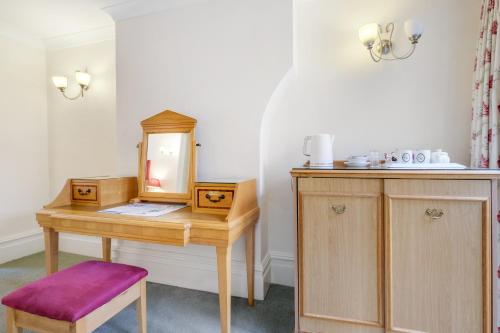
x=78 y=299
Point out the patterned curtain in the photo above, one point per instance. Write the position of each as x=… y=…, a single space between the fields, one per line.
x=485 y=97
x=485 y=111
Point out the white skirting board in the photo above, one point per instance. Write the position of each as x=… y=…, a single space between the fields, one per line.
x=282 y=268
x=82 y=245
x=165 y=266
x=192 y=271
x=21 y=245
x=187 y=270
x=168 y=266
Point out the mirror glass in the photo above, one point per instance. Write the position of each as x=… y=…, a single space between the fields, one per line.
x=167 y=163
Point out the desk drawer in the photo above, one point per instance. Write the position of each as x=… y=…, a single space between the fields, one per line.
x=84 y=193
x=213 y=198
x=102 y=191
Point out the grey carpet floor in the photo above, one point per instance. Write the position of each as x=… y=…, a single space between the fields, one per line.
x=170 y=309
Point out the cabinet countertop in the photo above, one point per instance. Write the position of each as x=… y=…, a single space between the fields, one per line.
x=343 y=171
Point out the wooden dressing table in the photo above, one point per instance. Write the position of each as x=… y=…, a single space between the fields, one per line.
x=218 y=216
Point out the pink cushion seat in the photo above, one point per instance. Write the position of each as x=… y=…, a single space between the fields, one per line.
x=76 y=291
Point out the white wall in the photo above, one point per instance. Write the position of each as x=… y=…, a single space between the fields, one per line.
x=82 y=133
x=217 y=61
x=23 y=146
x=224 y=63
x=334 y=87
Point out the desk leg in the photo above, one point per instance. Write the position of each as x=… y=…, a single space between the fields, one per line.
x=106 y=249
x=250 y=252
x=224 y=272
x=51 y=238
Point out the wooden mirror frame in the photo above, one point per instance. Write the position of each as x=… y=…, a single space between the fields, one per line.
x=167 y=122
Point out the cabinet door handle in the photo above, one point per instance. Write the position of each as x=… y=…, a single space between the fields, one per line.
x=434 y=213
x=339 y=209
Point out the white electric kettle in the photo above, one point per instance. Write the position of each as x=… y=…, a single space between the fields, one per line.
x=321 y=150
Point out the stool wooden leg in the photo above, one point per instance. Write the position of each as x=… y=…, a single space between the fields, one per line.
x=142 y=319
x=11 y=322
x=81 y=327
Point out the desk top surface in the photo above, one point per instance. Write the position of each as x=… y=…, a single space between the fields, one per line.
x=176 y=228
x=182 y=216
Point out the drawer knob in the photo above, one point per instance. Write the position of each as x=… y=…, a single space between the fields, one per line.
x=215 y=197
x=434 y=213
x=82 y=192
x=339 y=209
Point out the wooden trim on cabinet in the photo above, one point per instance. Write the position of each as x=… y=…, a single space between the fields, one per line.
x=493 y=250
x=342 y=172
x=300 y=242
x=387 y=260
x=436 y=197
x=295 y=191
x=340 y=194
x=344 y=320
x=381 y=260
x=487 y=267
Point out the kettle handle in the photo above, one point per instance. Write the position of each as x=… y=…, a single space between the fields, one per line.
x=304 y=148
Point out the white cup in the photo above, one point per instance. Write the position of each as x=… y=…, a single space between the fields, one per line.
x=422 y=156
x=439 y=156
x=405 y=156
x=358 y=158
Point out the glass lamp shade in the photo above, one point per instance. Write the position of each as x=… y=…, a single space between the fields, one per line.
x=61 y=82
x=82 y=78
x=369 y=33
x=413 y=28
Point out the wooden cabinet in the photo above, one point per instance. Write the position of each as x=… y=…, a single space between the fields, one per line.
x=379 y=255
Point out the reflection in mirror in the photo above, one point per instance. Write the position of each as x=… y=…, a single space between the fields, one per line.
x=167 y=163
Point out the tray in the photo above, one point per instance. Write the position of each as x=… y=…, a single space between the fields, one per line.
x=425 y=166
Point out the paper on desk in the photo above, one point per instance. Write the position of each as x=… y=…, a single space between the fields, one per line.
x=143 y=209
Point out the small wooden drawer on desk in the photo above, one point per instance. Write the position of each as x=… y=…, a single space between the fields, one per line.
x=84 y=193
x=214 y=198
x=102 y=191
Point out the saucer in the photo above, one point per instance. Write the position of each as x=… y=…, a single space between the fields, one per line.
x=357 y=164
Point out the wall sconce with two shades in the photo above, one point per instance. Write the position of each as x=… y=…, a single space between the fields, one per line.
x=378 y=39
x=81 y=77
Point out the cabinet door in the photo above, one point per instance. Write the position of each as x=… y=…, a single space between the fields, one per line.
x=438 y=256
x=340 y=249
